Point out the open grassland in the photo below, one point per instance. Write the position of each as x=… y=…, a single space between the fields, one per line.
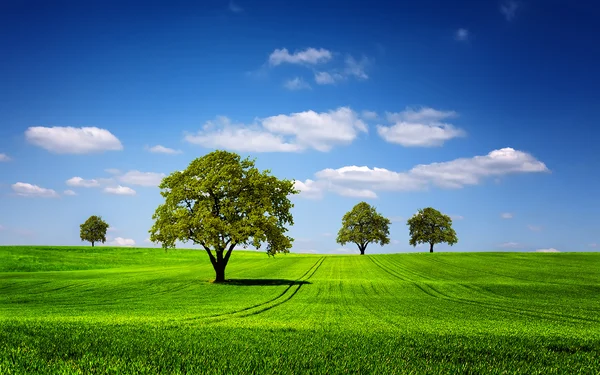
x=107 y=310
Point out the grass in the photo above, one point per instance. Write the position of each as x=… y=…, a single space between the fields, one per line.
x=116 y=310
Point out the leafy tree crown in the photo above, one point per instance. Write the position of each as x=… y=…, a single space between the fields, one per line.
x=93 y=230
x=221 y=201
x=430 y=226
x=363 y=225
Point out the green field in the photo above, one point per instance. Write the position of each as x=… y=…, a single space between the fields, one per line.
x=118 y=310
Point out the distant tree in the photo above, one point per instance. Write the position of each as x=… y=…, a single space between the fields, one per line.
x=220 y=202
x=430 y=226
x=93 y=230
x=363 y=225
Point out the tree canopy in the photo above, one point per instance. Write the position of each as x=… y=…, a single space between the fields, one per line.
x=220 y=202
x=363 y=225
x=93 y=230
x=430 y=226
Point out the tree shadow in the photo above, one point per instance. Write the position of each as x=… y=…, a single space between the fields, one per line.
x=258 y=282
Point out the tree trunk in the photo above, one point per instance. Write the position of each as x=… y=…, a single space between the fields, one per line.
x=219 y=272
x=431 y=247
x=92 y=243
x=362 y=248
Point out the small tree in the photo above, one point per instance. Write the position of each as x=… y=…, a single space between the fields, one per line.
x=363 y=225
x=430 y=226
x=220 y=202
x=93 y=230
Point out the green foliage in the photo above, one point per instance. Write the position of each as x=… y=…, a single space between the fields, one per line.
x=432 y=227
x=93 y=230
x=220 y=202
x=146 y=311
x=363 y=225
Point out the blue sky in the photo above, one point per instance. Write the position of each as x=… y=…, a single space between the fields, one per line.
x=485 y=110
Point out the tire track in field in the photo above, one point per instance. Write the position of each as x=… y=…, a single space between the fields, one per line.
x=433 y=292
x=297 y=283
x=515 y=310
x=396 y=275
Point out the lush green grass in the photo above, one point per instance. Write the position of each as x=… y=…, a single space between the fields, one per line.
x=74 y=310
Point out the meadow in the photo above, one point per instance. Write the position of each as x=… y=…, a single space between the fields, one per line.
x=108 y=310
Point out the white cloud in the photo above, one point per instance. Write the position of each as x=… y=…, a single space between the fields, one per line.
x=363 y=181
x=120 y=190
x=222 y=133
x=325 y=78
x=142 y=178
x=112 y=171
x=462 y=35
x=235 y=8
x=283 y=133
x=308 y=189
x=534 y=228
x=511 y=245
x=470 y=171
x=457 y=217
x=28 y=190
x=120 y=241
x=80 y=182
x=352 y=68
x=356 y=68
x=305 y=251
x=296 y=83
x=308 y=56
x=111 y=229
x=369 y=115
x=550 y=250
x=70 y=140
x=2 y=227
x=69 y=192
x=420 y=128
x=4 y=157
x=506 y=215
x=509 y=9
x=158 y=149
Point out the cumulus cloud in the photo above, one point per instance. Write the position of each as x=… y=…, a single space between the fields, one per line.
x=422 y=128
x=24 y=189
x=112 y=171
x=351 y=68
x=120 y=241
x=506 y=215
x=69 y=192
x=70 y=140
x=550 y=250
x=158 y=149
x=141 y=178
x=119 y=190
x=80 y=182
x=462 y=35
x=509 y=9
x=296 y=83
x=310 y=56
x=325 y=78
x=363 y=181
x=283 y=133
x=4 y=157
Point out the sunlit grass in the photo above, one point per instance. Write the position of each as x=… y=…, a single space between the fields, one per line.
x=115 y=310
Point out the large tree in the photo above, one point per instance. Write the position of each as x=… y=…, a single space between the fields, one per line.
x=93 y=230
x=220 y=202
x=363 y=225
x=430 y=226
